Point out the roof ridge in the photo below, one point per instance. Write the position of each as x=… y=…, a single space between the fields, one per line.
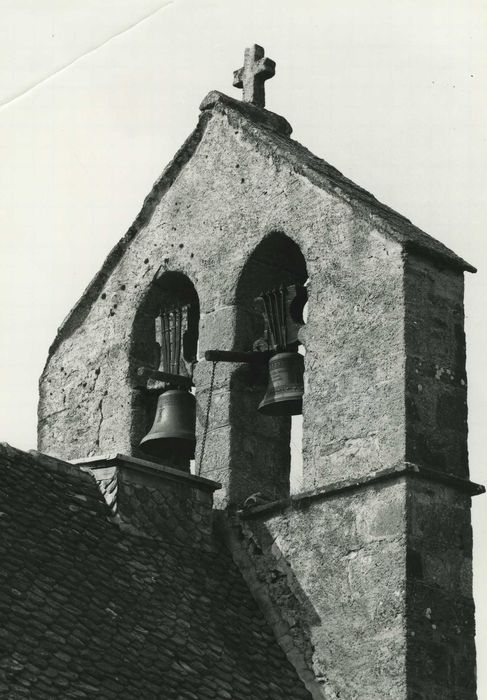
x=48 y=462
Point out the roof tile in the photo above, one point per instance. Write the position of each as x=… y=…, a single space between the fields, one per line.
x=90 y=610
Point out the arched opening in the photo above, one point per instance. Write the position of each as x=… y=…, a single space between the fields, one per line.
x=261 y=451
x=164 y=338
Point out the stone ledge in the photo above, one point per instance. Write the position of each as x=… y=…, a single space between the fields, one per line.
x=403 y=469
x=257 y=114
x=158 y=471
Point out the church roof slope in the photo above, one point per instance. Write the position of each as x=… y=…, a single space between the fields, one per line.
x=89 y=610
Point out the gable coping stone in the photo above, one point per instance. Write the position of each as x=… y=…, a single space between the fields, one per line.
x=155 y=470
x=403 y=469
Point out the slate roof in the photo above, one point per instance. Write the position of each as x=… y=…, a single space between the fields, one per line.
x=90 y=611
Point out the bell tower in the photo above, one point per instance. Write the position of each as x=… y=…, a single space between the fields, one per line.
x=365 y=574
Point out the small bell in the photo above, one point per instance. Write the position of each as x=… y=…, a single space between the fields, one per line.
x=284 y=395
x=173 y=430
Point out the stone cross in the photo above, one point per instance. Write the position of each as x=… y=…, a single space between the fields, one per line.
x=256 y=70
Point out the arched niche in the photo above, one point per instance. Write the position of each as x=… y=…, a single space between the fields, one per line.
x=260 y=445
x=168 y=291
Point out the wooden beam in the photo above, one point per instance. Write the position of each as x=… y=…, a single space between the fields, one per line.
x=232 y=356
x=179 y=380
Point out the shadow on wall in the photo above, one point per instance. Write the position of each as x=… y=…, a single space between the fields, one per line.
x=260 y=451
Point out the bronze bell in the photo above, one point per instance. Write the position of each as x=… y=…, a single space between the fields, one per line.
x=173 y=430
x=284 y=395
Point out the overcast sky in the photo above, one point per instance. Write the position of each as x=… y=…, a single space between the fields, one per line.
x=97 y=95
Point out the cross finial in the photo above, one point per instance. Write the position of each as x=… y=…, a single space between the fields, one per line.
x=256 y=70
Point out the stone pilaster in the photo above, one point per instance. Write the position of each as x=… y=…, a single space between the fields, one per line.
x=155 y=501
x=367 y=583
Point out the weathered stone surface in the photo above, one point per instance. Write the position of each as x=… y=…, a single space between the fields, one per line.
x=368 y=589
x=436 y=381
x=216 y=99
x=251 y=77
x=354 y=405
x=330 y=578
x=351 y=584
x=151 y=499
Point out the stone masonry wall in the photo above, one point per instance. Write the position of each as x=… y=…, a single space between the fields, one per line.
x=440 y=608
x=236 y=189
x=368 y=588
x=90 y=610
x=436 y=381
x=155 y=501
x=330 y=575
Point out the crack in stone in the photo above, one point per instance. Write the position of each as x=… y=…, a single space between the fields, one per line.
x=100 y=409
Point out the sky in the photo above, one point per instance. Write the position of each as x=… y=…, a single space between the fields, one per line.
x=97 y=95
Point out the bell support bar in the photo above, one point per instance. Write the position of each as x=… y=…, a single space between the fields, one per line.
x=255 y=358
x=145 y=373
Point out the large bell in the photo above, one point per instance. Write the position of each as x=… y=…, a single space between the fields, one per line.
x=284 y=395
x=173 y=430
